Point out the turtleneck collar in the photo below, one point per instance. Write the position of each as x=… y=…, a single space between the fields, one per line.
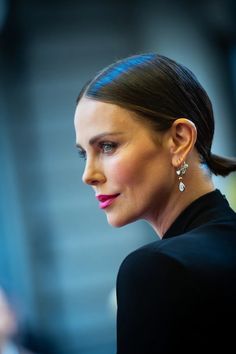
x=206 y=208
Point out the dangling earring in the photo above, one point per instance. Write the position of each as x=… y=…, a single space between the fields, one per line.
x=180 y=173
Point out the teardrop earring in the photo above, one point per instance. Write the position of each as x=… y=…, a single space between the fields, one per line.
x=180 y=172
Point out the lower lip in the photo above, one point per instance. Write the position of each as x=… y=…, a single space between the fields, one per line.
x=107 y=202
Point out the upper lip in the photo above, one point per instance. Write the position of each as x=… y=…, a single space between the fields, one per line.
x=104 y=197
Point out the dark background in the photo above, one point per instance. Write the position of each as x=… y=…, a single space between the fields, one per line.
x=58 y=256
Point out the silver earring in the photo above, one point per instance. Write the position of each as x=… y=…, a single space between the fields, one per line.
x=180 y=172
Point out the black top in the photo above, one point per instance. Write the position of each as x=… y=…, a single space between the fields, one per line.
x=178 y=294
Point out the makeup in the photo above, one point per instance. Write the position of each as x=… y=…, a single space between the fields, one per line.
x=105 y=200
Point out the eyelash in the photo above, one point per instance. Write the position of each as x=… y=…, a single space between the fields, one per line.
x=111 y=146
x=102 y=145
x=82 y=154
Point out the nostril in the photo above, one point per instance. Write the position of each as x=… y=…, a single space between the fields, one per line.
x=94 y=182
x=89 y=180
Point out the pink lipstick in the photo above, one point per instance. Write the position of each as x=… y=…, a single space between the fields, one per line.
x=105 y=200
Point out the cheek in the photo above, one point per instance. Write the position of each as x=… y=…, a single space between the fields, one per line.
x=126 y=170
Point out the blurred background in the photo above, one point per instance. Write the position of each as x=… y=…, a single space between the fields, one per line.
x=58 y=257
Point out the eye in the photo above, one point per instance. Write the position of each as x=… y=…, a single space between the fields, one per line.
x=82 y=154
x=107 y=147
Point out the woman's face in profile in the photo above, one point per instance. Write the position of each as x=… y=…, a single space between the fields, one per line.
x=129 y=171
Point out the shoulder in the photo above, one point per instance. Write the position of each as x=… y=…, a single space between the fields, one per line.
x=152 y=264
x=150 y=276
x=210 y=244
x=146 y=256
x=185 y=259
x=169 y=253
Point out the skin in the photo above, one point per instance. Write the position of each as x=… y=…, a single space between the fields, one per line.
x=125 y=156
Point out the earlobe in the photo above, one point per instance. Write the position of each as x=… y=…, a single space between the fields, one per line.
x=183 y=137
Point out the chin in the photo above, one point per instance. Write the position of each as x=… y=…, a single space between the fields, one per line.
x=116 y=222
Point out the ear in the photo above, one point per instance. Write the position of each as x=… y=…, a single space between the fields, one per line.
x=183 y=136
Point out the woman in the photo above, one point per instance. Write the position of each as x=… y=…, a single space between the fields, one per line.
x=145 y=126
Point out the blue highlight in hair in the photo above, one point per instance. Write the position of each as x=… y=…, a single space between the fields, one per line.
x=117 y=69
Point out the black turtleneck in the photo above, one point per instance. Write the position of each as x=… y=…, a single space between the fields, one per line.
x=209 y=207
x=178 y=294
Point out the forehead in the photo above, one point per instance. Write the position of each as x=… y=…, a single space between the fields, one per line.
x=89 y=110
x=94 y=117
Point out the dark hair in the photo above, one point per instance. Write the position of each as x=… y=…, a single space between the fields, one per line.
x=160 y=90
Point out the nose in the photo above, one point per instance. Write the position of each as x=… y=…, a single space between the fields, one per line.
x=92 y=174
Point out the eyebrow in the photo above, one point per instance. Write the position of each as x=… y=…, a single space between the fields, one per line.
x=97 y=137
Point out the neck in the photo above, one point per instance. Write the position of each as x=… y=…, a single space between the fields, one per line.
x=197 y=184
